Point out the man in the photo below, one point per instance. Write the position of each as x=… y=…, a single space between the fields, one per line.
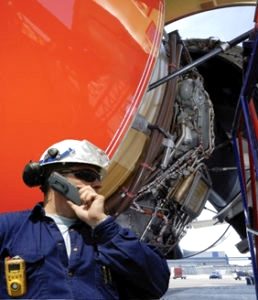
x=74 y=251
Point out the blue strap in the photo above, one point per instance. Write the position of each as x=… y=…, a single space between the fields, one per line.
x=48 y=158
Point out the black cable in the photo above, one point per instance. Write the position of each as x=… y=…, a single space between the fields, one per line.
x=213 y=211
x=212 y=245
x=222 y=48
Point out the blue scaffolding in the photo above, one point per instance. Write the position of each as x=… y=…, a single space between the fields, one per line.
x=246 y=125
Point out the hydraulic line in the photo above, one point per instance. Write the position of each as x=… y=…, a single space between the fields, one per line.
x=209 y=247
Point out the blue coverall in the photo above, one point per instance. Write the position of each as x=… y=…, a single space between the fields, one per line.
x=108 y=262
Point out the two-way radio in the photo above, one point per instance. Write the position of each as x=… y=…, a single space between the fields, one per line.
x=63 y=186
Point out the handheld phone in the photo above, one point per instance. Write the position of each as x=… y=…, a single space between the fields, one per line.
x=63 y=186
x=15 y=273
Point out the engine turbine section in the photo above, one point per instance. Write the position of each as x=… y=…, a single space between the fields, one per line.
x=177 y=186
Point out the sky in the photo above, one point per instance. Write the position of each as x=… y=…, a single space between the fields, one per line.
x=224 y=24
x=198 y=239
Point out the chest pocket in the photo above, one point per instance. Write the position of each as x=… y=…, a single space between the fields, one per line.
x=105 y=282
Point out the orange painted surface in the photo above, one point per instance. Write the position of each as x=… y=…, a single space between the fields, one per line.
x=70 y=69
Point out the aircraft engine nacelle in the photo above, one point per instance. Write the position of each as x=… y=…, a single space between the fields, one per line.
x=71 y=70
x=81 y=70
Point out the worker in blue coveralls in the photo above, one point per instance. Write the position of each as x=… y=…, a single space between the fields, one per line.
x=61 y=250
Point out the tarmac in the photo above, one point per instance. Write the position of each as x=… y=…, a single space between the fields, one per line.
x=200 y=287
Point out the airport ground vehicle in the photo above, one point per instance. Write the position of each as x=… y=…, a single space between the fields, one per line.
x=215 y=275
x=238 y=275
x=171 y=146
x=178 y=272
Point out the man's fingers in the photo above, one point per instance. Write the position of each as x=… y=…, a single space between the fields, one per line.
x=88 y=195
x=73 y=205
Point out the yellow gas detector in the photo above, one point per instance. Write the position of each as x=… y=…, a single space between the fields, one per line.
x=15 y=274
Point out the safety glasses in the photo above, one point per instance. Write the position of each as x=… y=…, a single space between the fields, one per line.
x=87 y=175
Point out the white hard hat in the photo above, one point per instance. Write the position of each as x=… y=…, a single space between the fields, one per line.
x=74 y=151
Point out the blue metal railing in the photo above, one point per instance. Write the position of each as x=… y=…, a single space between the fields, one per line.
x=243 y=119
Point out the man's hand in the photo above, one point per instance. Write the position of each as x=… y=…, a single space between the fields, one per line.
x=91 y=211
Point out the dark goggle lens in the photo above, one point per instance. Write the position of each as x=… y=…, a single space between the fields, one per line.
x=87 y=175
